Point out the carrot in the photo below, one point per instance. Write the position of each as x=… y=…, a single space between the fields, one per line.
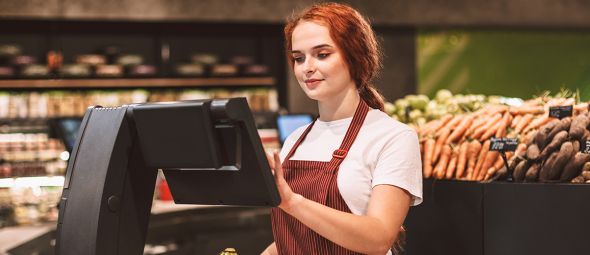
x=445 y=119
x=460 y=130
x=497 y=166
x=501 y=131
x=472 y=152
x=437 y=124
x=440 y=141
x=581 y=107
x=477 y=123
x=439 y=171
x=515 y=121
x=451 y=124
x=538 y=122
x=527 y=110
x=488 y=162
x=462 y=160
x=426 y=129
x=492 y=121
x=523 y=123
x=490 y=131
x=480 y=159
x=452 y=163
x=428 y=151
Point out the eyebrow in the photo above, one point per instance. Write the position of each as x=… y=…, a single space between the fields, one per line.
x=315 y=47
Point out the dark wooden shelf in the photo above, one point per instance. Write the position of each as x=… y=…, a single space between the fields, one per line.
x=136 y=83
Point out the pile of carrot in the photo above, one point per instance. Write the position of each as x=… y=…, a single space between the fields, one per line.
x=457 y=146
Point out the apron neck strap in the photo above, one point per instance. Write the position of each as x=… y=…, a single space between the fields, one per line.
x=353 y=129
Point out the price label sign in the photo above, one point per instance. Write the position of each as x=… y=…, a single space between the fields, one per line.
x=503 y=144
x=586 y=147
x=561 y=112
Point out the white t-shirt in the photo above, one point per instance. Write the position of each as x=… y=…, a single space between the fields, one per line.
x=384 y=152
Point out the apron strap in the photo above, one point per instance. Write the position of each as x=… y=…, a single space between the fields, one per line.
x=301 y=138
x=351 y=133
x=353 y=130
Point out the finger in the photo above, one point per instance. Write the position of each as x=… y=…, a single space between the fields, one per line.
x=271 y=161
x=278 y=167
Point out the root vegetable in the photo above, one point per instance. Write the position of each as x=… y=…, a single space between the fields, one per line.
x=461 y=162
x=460 y=130
x=555 y=144
x=541 y=138
x=532 y=152
x=480 y=159
x=573 y=167
x=428 y=151
x=452 y=163
x=532 y=174
x=441 y=166
x=472 y=152
x=554 y=165
x=564 y=124
x=526 y=119
x=440 y=142
x=520 y=171
x=578 y=126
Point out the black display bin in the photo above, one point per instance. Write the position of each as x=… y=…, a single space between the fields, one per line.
x=499 y=218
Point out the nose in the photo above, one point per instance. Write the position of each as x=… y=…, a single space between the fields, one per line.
x=309 y=66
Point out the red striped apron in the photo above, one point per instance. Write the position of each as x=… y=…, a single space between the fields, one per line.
x=317 y=181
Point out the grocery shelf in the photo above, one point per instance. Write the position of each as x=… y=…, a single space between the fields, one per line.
x=136 y=83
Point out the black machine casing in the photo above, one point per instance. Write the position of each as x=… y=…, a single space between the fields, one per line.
x=209 y=151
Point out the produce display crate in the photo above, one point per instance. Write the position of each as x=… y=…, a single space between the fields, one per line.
x=499 y=218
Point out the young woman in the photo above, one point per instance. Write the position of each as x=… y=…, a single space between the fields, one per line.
x=348 y=179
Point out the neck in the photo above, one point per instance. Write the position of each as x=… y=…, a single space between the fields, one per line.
x=339 y=107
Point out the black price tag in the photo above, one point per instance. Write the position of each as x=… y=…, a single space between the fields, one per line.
x=503 y=144
x=561 y=112
x=587 y=147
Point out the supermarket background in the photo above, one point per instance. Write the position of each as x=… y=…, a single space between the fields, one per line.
x=444 y=63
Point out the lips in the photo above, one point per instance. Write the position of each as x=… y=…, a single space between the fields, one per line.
x=312 y=83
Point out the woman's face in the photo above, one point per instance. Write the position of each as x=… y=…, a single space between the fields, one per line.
x=318 y=63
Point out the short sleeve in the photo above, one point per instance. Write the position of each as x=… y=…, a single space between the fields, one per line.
x=399 y=164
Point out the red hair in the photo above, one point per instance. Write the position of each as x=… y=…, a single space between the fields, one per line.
x=353 y=34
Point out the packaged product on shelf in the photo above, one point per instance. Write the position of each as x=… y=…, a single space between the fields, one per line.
x=24 y=60
x=190 y=70
x=91 y=59
x=205 y=59
x=109 y=71
x=130 y=60
x=142 y=71
x=4 y=105
x=224 y=70
x=34 y=71
x=6 y=71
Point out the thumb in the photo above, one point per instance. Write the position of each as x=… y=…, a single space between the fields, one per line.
x=278 y=167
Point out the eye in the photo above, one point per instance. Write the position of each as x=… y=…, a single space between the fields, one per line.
x=298 y=59
x=323 y=55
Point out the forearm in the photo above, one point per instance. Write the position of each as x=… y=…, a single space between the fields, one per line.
x=364 y=234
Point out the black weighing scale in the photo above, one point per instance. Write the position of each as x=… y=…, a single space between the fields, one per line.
x=209 y=151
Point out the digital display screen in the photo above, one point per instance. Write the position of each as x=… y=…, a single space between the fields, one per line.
x=69 y=131
x=286 y=124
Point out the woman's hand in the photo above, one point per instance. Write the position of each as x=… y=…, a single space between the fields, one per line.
x=288 y=197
